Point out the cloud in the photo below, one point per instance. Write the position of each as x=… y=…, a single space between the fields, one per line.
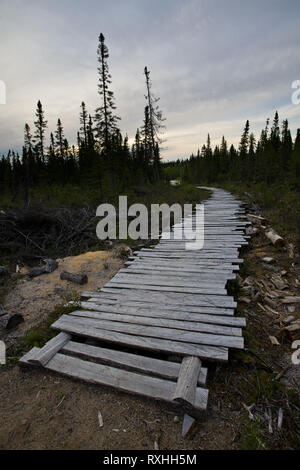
x=214 y=64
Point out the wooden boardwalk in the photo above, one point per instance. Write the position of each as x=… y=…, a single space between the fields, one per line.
x=156 y=320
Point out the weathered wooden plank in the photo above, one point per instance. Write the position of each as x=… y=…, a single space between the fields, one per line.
x=184 y=267
x=173 y=297
x=110 y=299
x=200 y=263
x=168 y=279
x=158 y=332
x=188 y=426
x=162 y=288
x=180 y=247
x=162 y=322
x=148 y=365
x=185 y=260
x=209 y=221
x=216 y=253
x=27 y=359
x=183 y=300
x=50 y=349
x=210 y=241
x=130 y=382
x=217 y=353
x=190 y=254
x=183 y=257
x=185 y=391
x=162 y=271
x=158 y=312
x=177 y=234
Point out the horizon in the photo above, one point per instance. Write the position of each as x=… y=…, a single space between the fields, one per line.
x=206 y=79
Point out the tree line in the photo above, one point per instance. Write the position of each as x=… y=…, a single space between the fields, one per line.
x=274 y=158
x=102 y=156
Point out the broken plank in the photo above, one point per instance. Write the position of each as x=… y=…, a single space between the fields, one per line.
x=131 y=382
x=148 y=365
x=50 y=349
x=185 y=390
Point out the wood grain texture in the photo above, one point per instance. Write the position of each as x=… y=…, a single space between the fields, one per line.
x=156 y=311
x=136 y=362
x=157 y=332
x=162 y=322
x=125 y=381
x=147 y=343
x=50 y=349
x=185 y=390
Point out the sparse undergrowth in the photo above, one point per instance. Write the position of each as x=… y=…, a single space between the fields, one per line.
x=279 y=203
x=55 y=226
x=39 y=335
x=251 y=383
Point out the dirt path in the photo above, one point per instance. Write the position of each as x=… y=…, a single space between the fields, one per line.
x=47 y=411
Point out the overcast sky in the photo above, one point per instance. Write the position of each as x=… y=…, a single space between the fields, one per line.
x=213 y=63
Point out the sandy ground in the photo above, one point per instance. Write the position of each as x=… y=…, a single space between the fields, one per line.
x=36 y=297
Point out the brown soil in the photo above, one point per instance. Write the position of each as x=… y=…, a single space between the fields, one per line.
x=43 y=410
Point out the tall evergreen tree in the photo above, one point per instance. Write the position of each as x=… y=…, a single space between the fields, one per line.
x=275 y=133
x=59 y=136
x=286 y=147
x=27 y=162
x=105 y=119
x=208 y=149
x=27 y=138
x=90 y=134
x=244 y=143
x=155 y=124
x=40 y=126
x=84 y=123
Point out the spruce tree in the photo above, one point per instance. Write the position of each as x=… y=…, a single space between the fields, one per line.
x=286 y=147
x=84 y=123
x=147 y=142
x=27 y=163
x=155 y=119
x=39 y=136
x=105 y=119
x=244 y=143
x=59 y=136
x=275 y=133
